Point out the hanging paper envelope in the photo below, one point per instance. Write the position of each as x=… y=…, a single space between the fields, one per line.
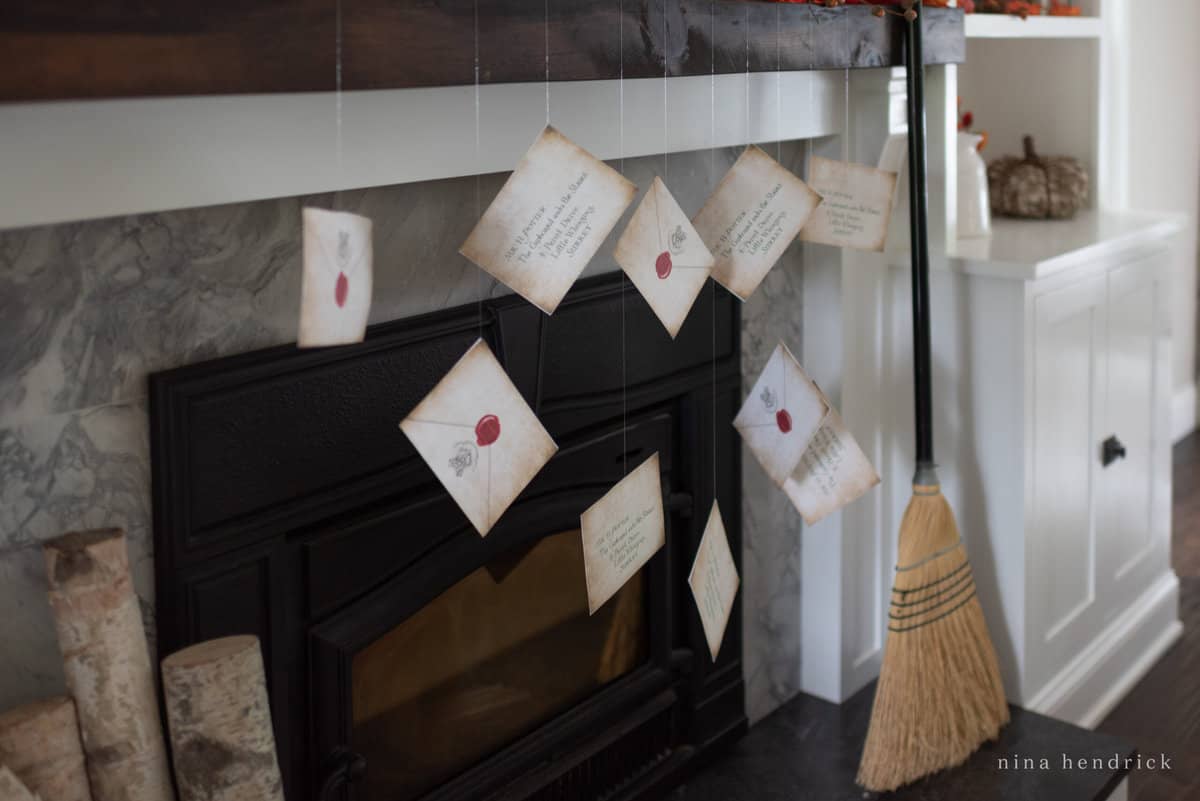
x=664 y=257
x=621 y=531
x=780 y=416
x=551 y=216
x=750 y=219
x=714 y=581
x=856 y=205
x=832 y=473
x=335 y=290
x=479 y=437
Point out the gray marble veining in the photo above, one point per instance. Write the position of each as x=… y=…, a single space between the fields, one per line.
x=770 y=525
x=88 y=309
x=62 y=472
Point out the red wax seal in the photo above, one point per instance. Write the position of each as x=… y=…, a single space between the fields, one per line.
x=662 y=265
x=783 y=420
x=341 y=290
x=487 y=430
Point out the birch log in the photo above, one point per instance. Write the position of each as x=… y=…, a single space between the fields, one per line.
x=220 y=722
x=39 y=742
x=107 y=664
x=12 y=789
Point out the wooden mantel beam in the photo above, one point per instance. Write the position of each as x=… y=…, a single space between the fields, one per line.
x=77 y=49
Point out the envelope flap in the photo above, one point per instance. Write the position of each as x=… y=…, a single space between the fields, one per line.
x=676 y=235
x=479 y=437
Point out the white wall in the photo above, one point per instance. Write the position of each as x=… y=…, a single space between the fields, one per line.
x=1164 y=162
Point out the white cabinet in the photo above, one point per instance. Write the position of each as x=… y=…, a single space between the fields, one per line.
x=1068 y=391
x=1100 y=590
x=1037 y=367
x=1049 y=338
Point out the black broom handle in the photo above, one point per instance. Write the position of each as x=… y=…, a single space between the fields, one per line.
x=919 y=237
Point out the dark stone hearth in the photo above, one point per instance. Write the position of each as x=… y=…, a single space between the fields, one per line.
x=809 y=749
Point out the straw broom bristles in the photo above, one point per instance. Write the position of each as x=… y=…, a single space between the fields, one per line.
x=939 y=695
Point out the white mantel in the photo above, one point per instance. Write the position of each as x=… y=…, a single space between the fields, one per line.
x=82 y=160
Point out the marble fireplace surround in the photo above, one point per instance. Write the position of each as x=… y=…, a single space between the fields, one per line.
x=88 y=309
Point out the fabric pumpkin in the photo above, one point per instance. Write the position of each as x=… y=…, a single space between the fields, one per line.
x=1037 y=187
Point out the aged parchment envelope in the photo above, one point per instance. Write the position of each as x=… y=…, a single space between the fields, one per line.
x=856 y=204
x=834 y=472
x=479 y=437
x=335 y=290
x=781 y=415
x=714 y=581
x=664 y=257
x=751 y=218
x=621 y=531
x=550 y=218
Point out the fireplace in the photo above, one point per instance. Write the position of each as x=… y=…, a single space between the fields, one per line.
x=505 y=649
x=407 y=657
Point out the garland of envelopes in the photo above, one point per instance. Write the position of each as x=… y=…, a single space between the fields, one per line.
x=475 y=431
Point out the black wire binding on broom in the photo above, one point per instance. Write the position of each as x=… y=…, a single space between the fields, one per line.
x=934 y=583
x=960 y=574
x=935 y=603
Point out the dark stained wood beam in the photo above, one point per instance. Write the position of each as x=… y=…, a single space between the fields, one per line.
x=64 y=49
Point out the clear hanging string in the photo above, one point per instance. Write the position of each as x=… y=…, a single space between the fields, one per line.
x=621 y=158
x=480 y=282
x=847 y=138
x=778 y=87
x=665 y=50
x=546 y=26
x=621 y=85
x=746 y=32
x=810 y=77
x=337 y=95
x=712 y=184
x=847 y=146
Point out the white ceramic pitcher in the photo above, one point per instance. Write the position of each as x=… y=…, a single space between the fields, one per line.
x=974 y=210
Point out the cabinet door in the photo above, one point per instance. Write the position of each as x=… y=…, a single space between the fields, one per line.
x=1132 y=531
x=1068 y=393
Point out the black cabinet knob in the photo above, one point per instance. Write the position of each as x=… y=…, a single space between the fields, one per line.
x=1111 y=451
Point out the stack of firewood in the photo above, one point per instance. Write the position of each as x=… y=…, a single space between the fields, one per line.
x=105 y=741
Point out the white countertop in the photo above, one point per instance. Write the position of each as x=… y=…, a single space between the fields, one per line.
x=1033 y=249
x=1029 y=250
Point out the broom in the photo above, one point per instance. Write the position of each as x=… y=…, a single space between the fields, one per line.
x=939 y=695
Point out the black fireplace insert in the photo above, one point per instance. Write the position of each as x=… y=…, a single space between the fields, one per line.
x=407 y=657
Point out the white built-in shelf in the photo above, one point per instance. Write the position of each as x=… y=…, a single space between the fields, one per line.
x=1007 y=26
x=1032 y=249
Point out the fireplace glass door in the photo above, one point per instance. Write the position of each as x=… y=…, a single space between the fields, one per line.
x=490 y=659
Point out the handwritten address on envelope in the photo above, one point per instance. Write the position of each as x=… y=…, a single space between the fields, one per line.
x=621 y=531
x=833 y=472
x=856 y=206
x=750 y=219
x=714 y=581
x=549 y=219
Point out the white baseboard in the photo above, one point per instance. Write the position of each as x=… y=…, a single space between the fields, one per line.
x=1088 y=688
x=1183 y=412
